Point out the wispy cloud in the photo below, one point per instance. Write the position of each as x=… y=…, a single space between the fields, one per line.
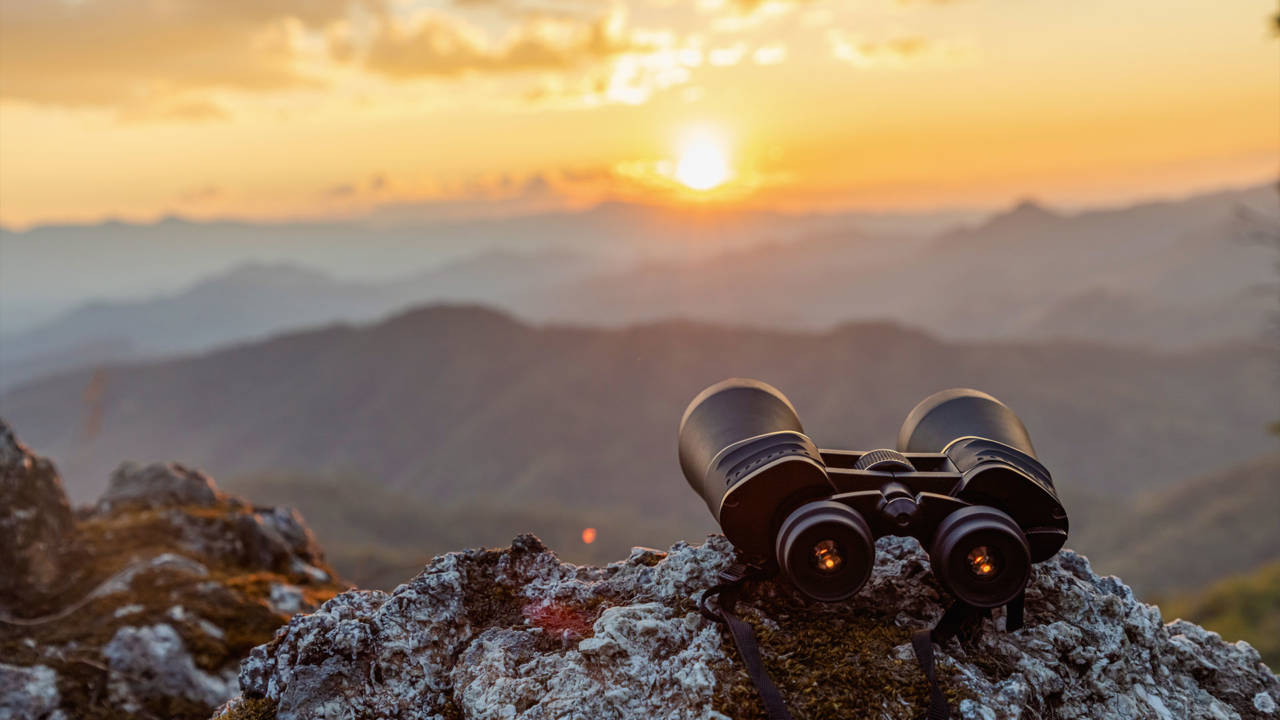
x=865 y=53
x=439 y=44
x=145 y=55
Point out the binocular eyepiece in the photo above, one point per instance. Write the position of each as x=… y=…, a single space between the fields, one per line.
x=964 y=481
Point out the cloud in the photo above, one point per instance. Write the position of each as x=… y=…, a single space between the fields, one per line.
x=374 y=185
x=541 y=8
x=131 y=52
x=770 y=54
x=176 y=109
x=200 y=194
x=441 y=45
x=865 y=53
x=344 y=190
x=478 y=197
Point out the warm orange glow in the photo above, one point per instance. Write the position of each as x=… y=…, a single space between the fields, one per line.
x=703 y=162
x=981 y=562
x=836 y=106
x=827 y=556
x=588 y=535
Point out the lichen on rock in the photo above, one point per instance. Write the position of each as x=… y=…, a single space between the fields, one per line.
x=517 y=634
x=145 y=603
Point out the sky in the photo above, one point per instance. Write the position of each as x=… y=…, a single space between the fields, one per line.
x=283 y=109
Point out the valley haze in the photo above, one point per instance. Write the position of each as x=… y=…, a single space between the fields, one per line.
x=1170 y=274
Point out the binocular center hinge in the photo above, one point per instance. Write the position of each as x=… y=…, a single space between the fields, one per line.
x=898 y=507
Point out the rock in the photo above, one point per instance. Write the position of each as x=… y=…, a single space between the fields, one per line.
x=169 y=594
x=30 y=693
x=153 y=661
x=35 y=523
x=146 y=603
x=159 y=485
x=287 y=599
x=277 y=538
x=518 y=635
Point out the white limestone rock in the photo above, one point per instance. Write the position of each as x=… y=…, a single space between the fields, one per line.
x=518 y=635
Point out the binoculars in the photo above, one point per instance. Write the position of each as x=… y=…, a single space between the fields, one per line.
x=964 y=481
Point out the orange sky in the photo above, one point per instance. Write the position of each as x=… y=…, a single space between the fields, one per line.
x=283 y=108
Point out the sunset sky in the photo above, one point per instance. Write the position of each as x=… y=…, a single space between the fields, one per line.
x=273 y=109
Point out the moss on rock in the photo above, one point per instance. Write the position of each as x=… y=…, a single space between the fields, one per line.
x=828 y=661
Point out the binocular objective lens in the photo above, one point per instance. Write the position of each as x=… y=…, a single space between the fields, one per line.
x=983 y=562
x=827 y=557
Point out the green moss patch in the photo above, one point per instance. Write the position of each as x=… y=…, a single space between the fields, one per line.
x=828 y=661
x=253 y=709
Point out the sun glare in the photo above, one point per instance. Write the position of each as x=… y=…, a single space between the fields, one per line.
x=703 y=162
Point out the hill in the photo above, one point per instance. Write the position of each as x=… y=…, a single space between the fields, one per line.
x=255 y=300
x=458 y=404
x=1181 y=539
x=1244 y=606
x=1172 y=274
x=124 y=262
x=144 y=604
x=1168 y=274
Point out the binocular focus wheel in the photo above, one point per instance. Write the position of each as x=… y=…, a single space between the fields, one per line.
x=827 y=550
x=981 y=555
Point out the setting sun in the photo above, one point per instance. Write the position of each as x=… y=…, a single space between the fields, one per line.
x=703 y=162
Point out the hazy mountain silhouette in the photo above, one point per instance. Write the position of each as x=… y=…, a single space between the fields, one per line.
x=127 y=261
x=1171 y=275
x=455 y=403
x=255 y=300
x=1183 y=537
x=1177 y=271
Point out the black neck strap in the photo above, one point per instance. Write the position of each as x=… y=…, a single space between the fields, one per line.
x=956 y=617
x=731 y=584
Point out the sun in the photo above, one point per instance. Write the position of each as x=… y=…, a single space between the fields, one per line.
x=703 y=162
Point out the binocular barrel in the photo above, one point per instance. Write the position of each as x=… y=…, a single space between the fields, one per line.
x=743 y=450
x=721 y=417
x=944 y=417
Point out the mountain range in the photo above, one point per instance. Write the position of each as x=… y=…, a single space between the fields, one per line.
x=1168 y=275
x=254 y=301
x=452 y=402
x=1159 y=275
x=125 y=261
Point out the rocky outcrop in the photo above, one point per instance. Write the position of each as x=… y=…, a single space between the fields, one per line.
x=35 y=520
x=517 y=634
x=168 y=596
x=144 y=604
x=159 y=485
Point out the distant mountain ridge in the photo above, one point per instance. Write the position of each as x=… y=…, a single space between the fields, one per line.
x=1174 y=274
x=123 y=260
x=1184 y=537
x=253 y=301
x=1182 y=271
x=428 y=398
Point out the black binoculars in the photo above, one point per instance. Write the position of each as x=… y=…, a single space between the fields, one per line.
x=964 y=482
